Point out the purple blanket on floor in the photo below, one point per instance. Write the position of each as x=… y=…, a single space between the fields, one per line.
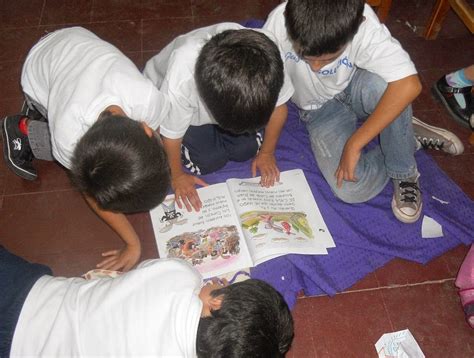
x=367 y=236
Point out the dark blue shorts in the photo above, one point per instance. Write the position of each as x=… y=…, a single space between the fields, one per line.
x=17 y=277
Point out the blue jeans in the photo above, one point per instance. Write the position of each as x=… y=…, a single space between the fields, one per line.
x=331 y=126
x=17 y=277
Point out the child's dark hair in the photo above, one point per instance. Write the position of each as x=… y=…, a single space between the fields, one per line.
x=319 y=27
x=118 y=165
x=253 y=321
x=239 y=74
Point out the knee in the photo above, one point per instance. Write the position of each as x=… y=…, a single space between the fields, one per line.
x=355 y=193
x=243 y=151
x=204 y=164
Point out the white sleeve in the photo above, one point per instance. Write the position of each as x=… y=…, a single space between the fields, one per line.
x=379 y=52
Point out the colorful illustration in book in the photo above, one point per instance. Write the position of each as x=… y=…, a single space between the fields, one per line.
x=171 y=216
x=285 y=223
x=205 y=245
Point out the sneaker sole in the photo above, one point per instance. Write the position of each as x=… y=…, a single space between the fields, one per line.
x=447 y=134
x=405 y=218
x=439 y=96
x=7 y=156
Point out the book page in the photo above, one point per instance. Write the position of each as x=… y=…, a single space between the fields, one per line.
x=281 y=219
x=211 y=239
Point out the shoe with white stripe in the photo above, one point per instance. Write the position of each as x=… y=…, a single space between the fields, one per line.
x=16 y=149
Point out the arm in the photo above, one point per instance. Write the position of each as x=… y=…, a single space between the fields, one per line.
x=184 y=185
x=398 y=95
x=265 y=160
x=124 y=258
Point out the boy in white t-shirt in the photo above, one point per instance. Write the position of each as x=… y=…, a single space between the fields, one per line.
x=225 y=84
x=161 y=309
x=101 y=120
x=345 y=67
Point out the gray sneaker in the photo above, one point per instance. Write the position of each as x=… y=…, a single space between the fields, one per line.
x=407 y=202
x=436 y=138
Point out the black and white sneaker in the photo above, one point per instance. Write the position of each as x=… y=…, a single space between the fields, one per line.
x=407 y=202
x=431 y=137
x=16 y=149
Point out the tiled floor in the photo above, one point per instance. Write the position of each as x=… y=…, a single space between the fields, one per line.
x=47 y=221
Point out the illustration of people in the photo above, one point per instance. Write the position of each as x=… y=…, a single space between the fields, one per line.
x=171 y=216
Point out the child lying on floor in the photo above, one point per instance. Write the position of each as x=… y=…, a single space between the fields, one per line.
x=161 y=308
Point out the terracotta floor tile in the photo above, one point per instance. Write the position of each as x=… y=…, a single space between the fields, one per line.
x=10 y=106
x=304 y=342
x=10 y=73
x=66 y=12
x=51 y=177
x=460 y=171
x=402 y=272
x=125 y=35
x=16 y=43
x=159 y=9
x=20 y=13
x=348 y=325
x=158 y=33
x=455 y=257
x=433 y=314
x=229 y=10
x=114 y=10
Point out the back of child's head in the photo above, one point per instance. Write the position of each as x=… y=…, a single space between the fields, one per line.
x=319 y=27
x=253 y=321
x=239 y=74
x=120 y=166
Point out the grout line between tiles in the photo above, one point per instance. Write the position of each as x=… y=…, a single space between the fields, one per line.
x=431 y=282
x=42 y=13
x=38 y=192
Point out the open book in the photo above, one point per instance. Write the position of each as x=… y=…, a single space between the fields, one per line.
x=242 y=224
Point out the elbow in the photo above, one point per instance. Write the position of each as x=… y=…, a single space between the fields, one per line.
x=416 y=86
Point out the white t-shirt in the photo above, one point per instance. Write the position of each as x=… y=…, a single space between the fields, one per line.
x=153 y=310
x=172 y=71
x=74 y=76
x=372 y=49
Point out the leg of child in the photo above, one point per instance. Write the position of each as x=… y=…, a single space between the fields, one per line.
x=202 y=150
x=465 y=283
x=329 y=128
x=241 y=147
x=17 y=277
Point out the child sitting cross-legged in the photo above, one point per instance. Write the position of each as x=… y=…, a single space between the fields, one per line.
x=159 y=309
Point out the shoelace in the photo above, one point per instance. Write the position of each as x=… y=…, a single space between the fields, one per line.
x=432 y=143
x=410 y=193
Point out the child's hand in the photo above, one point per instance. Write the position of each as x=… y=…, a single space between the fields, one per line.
x=347 y=164
x=123 y=259
x=184 y=187
x=266 y=164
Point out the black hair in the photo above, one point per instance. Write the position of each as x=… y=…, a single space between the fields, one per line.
x=319 y=27
x=253 y=321
x=239 y=74
x=119 y=166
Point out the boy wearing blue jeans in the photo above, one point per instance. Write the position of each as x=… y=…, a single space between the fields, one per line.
x=346 y=67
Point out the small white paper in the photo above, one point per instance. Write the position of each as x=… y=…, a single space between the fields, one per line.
x=399 y=344
x=430 y=228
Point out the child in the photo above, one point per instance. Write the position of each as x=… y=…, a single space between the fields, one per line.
x=159 y=309
x=93 y=97
x=223 y=82
x=345 y=67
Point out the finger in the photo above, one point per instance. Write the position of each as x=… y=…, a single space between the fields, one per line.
x=254 y=168
x=105 y=264
x=339 y=178
x=178 y=201
x=119 y=264
x=111 y=253
x=195 y=201
x=186 y=203
x=200 y=182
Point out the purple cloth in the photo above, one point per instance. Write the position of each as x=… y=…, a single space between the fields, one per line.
x=367 y=235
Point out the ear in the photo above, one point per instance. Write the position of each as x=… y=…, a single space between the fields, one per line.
x=215 y=303
x=148 y=130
